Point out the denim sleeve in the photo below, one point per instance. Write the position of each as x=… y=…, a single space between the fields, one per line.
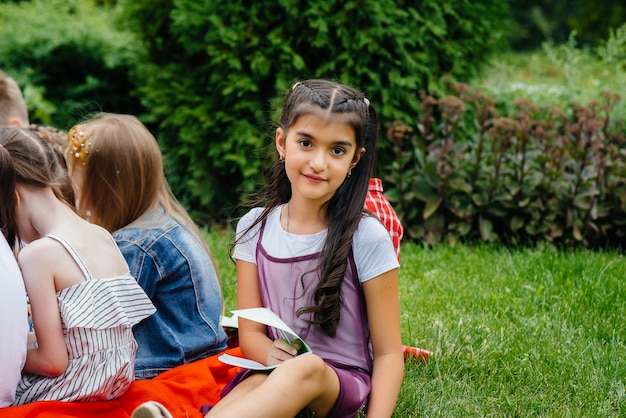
x=142 y=266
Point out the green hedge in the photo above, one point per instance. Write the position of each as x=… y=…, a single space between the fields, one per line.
x=69 y=58
x=208 y=75
x=214 y=69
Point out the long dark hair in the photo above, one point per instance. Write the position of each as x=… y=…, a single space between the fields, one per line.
x=345 y=209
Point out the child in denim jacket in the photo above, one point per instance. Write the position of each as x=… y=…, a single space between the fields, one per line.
x=117 y=171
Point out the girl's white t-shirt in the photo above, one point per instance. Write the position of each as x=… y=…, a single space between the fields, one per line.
x=373 y=250
x=13 y=324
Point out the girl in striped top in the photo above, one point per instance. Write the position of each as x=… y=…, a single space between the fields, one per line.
x=83 y=300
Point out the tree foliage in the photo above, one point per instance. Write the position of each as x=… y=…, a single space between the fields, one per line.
x=214 y=70
x=69 y=58
x=536 y=21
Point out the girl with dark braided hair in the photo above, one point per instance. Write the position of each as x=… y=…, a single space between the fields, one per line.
x=321 y=263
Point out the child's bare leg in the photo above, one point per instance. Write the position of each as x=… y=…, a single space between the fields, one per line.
x=241 y=390
x=300 y=382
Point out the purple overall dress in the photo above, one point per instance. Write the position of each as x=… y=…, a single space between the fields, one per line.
x=288 y=284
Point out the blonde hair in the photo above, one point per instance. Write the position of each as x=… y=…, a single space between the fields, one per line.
x=124 y=177
x=12 y=104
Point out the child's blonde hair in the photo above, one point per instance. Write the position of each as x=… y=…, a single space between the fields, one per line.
x=57 y=141
x=123 y=173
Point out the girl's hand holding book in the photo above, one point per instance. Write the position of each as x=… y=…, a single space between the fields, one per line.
x=280 y=350
x=288 y=346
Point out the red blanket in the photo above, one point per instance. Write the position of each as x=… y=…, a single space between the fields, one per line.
x=183 y=390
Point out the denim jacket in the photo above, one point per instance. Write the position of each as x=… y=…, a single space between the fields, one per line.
x=178 y=275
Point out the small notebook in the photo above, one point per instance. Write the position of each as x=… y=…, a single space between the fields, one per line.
x=269 y=318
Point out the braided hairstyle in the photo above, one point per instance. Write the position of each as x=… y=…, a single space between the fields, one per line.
x=345 y=209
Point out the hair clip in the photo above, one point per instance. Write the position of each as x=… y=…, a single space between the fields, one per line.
x=78 y=148
x=366 y=100
x=296 y=85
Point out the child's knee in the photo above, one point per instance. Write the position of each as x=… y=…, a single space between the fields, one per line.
x=309 y=366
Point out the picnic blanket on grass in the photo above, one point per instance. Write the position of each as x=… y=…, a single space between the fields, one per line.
x=183 y=390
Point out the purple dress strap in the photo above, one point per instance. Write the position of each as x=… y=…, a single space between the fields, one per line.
x=288 y=284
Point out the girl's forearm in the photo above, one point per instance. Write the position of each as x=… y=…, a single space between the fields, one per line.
x=37 y=362
x=255 y=346
x=386 y=381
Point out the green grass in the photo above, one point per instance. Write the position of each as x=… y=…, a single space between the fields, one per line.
x=559 y=75
x=514 y=333
x=218 y=241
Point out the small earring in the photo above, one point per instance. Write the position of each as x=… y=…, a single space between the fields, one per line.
x=349 y=173
x=281 y=159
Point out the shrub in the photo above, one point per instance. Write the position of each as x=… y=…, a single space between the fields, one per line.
x=214 y=70
x=537 y=175
x=69 y=59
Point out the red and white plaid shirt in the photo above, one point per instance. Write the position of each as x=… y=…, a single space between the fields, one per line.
x=378 y=204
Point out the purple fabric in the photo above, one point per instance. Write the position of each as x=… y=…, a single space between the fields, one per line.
x=354 y=388
x=288 y=284
x=204 y=409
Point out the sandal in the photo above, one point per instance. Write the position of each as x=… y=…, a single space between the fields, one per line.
x=151 y=409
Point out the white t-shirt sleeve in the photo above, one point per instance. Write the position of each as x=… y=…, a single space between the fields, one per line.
x=373 y=249
x=13 y=324
x=245 y=248
x=374 y=253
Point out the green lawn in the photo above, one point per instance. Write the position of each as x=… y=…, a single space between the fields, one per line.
x=558 y=76
x=514 y=333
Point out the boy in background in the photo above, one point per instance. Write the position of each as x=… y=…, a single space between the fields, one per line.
x=13 y=111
